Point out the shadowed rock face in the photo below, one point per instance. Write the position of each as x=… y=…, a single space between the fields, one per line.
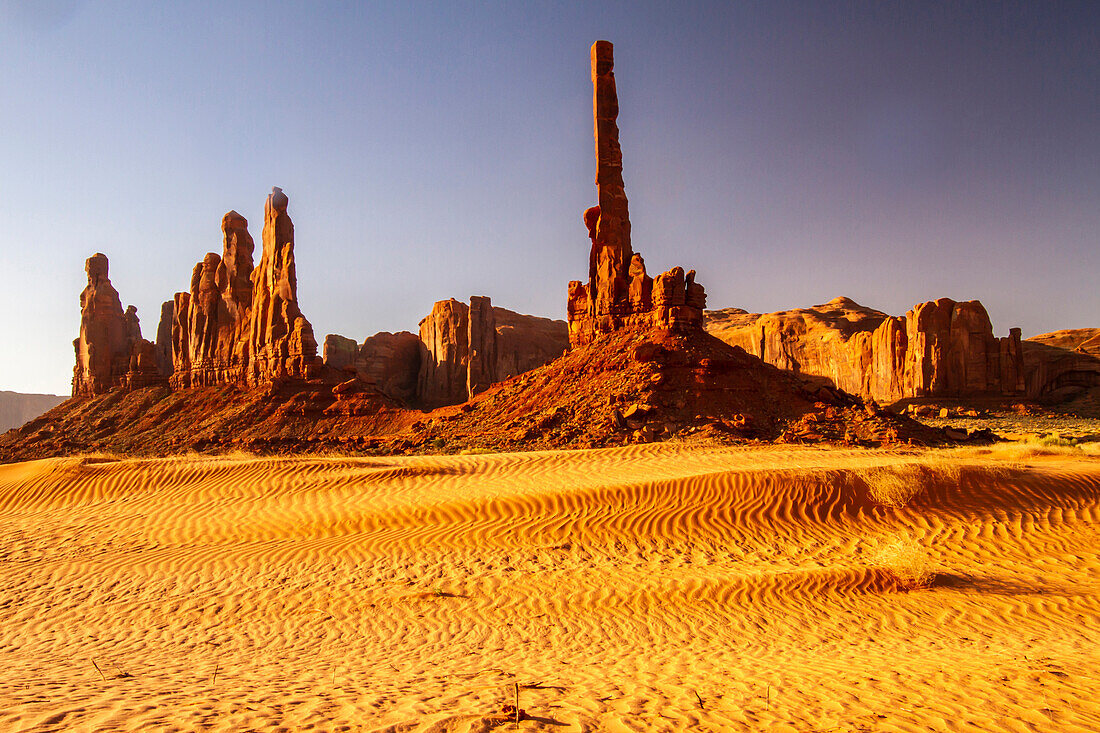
x=1059 y=364
x=109 y=350
x=619 y=292
x=239 y=323
x=940 y=348
x=164 y=338
x=466 y=348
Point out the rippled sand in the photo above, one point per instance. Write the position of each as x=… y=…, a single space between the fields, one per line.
x=645 y=588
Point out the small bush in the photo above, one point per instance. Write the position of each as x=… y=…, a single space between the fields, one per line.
x=907 y=560
x=896 y=484
x=1057 y=441
x=439 y=443
x=892 y=486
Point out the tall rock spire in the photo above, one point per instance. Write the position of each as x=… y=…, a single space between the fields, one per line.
x=619 y=293
x=611 y=252
x=282 y=342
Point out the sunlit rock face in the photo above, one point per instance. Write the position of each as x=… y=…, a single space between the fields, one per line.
x=109 y=350
x=619 y=293
x=466 y=348
x=239 y=323
x=940 y=348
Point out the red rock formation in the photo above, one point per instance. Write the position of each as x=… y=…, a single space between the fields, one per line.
x=390 y=362
x=281 y=342
x=109 y=338
x=444 y=354
x=239 y=324
x=619 y=292
x=464 y=349
x=939 y=349
x=1061 y=364
x=340 y=352
x=164 y=338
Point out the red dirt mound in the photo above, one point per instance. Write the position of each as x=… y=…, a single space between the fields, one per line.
x=646 y=385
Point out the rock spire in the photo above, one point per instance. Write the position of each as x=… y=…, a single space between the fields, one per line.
x=619 y=292
x=109 y=350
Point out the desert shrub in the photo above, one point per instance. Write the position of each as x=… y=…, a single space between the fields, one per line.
x=892 y=485
x=906 y=560
x=895 y=485
x=439 y=443
x=1056 y=441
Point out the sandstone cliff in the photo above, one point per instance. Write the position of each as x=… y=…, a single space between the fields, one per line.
x=619 y=293
x=466 y=348
x=941 y=348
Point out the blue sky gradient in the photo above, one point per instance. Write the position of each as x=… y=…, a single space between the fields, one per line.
x=788 y=151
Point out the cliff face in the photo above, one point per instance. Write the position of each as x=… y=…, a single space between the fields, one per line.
x=466 y=348
x=941 y=348
x=240 y=324
x=109 y=350
x=1061 y=364
x=619 y=293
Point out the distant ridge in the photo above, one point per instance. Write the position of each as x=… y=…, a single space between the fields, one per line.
x=17 y=408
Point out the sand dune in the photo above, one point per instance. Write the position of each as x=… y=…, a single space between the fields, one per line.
x=656 y=587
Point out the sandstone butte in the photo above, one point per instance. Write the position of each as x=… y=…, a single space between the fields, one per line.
x=939 y=349
x=461 y=350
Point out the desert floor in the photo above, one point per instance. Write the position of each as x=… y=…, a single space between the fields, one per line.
x=662 y=587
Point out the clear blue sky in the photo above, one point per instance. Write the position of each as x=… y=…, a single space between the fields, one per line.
x=789 y=152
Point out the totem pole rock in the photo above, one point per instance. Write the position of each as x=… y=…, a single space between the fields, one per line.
x=239 y=324
x=619 y=292
x=281 y=342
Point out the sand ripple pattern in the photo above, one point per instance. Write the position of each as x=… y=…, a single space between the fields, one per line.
x=655 y=587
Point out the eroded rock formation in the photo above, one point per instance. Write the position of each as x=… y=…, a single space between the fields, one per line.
x=239 y=323
x=1060 y=365
x=340 y=352
x=390 y=362
x=466 y=348
x=109 y=350
x=164 y=338
x=940 y=348
x=619 y=292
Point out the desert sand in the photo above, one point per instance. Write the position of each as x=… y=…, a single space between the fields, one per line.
x=652 y=587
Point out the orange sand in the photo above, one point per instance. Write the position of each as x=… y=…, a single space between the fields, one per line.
x=656 y=587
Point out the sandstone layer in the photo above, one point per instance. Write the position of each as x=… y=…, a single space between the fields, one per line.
x=109 y=350
x=619 y=293
x=940 y=348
